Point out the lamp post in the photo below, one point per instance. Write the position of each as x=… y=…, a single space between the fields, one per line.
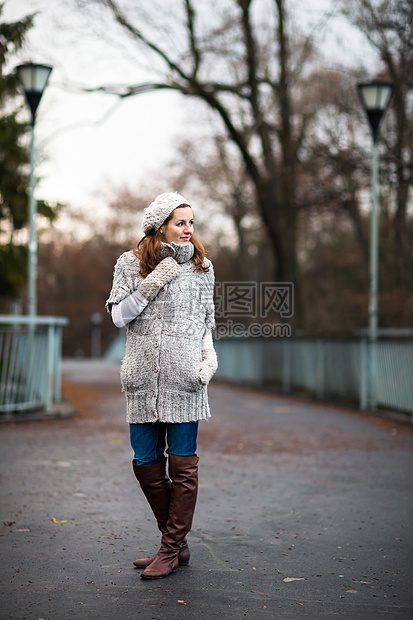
x=33 y=78
x=375 y=98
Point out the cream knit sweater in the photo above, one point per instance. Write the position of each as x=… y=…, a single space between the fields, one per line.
x=160 y=370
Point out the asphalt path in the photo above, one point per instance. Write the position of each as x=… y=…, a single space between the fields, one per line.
x=304 y=511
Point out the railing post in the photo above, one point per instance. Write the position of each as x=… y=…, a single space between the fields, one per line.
x=363 y=374
x=57 y=384
x=286 y=357
x=51 y=346
x=320 y=383
x=371 y=374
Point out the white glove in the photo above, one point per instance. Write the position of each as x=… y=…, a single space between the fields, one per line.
x=164 y=272
x=208 y=365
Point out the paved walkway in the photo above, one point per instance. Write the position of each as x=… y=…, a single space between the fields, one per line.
x=304 y=511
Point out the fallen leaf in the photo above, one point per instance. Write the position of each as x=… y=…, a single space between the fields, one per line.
x=55 y=521
x=182 y=602
x=288 y=579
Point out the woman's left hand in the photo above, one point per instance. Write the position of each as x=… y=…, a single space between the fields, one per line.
x=208 y=365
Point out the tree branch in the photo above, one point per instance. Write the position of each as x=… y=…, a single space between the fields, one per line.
x=189 y=86
x=127 y=91
x=137 y=34
x=190 y=13
x=252 y=81
x=284 y=88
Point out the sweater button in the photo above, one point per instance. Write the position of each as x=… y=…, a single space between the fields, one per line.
x=155 y=369
x=156 y=345
x=159 y=315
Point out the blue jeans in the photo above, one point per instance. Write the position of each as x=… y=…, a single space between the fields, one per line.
x=148 y=440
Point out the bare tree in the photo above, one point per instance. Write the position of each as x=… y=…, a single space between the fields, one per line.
x=334 y=165
x=388 y=25
x=217 y=176
x=240 y=61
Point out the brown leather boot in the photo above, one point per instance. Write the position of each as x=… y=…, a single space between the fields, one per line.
x=183 y=472
x=156 y=487
x=183 y=557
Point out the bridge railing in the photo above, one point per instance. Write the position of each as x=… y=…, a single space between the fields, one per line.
x=351 y=369
x=30 y=362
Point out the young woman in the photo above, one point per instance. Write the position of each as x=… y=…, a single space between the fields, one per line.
x=163 y=293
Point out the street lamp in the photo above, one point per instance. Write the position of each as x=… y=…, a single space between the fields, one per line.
x=375 y=98
x=33 y=78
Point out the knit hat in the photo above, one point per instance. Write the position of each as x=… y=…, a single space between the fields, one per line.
x=157 y=212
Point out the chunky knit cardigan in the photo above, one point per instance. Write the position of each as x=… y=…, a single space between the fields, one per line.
x=160 y=370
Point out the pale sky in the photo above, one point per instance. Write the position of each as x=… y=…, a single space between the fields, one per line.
x=88 y=150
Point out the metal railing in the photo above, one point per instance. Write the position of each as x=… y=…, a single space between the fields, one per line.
x=352 y=369
x=30 y=362
x=338 y=369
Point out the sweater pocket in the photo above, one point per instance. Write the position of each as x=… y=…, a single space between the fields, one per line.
x=140 y=367
x=180 y=367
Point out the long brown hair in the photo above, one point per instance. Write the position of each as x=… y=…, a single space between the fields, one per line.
x=149 y=246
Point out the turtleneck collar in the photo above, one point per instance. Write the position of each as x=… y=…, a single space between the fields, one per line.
x=181 y=252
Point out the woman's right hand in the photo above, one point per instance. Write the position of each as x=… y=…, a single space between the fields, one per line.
x=164 y=272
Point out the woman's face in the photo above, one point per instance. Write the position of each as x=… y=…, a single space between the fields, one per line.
x=180 y=227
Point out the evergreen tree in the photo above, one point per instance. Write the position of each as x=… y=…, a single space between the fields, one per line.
x=14 y=164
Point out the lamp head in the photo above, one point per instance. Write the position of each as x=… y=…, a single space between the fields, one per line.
x=375 y=98
x=33 y=79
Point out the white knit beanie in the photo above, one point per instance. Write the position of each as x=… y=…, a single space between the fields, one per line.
x=157 y=212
